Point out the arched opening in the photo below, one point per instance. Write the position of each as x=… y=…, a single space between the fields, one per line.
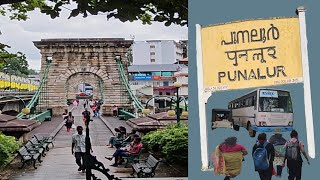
x=84 y=85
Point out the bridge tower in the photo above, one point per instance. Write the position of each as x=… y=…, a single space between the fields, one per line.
x=87 y=60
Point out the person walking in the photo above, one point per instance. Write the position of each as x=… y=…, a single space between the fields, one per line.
x=85 y=115
x=75 y=104
x=79 y=148
x=294 y=148
x=263 y=156
x=94 y=109
x=278 y=143
x=84 y=104
x=69 y=121
x=115 y=111
x=228 y=157
x=98 y=108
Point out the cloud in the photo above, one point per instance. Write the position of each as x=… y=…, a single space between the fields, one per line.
x=19 y=35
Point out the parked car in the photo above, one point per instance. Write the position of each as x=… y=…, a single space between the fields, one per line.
x=221 y=118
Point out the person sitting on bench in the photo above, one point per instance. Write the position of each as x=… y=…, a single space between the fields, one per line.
x=135 y=149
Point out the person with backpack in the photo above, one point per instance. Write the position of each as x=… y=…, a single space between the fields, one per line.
x=278 y=143
x=294 y=148
x=263 y=157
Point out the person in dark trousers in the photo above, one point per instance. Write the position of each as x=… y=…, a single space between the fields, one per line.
x=262 y=138
x=134 y=149
x=85 y=114
x=79 y=147
x=115 y=111
x=84 y=104
x=69 y=121
x=294 y=148
x=278 y=143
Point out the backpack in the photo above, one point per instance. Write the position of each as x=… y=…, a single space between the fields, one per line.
x=293 y=150
x=260 y=158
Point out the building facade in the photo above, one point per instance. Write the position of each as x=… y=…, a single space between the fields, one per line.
x=160 y=77
x=157 y=52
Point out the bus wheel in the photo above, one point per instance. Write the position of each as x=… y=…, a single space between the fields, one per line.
x=235 y=127
x=252 y=133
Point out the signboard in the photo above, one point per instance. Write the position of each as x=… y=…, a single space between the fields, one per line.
x=142 y=78
x=252 y=53
x=156 y=77
x=267 y=93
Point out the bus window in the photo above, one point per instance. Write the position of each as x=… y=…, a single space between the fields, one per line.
x=278 y=103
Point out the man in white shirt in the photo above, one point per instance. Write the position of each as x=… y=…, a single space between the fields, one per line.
x=79 y=147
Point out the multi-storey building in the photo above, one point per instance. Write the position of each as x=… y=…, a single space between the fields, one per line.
x=161 y=77
x=157 y=52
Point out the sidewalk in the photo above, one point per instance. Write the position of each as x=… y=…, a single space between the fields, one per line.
x=49 y=128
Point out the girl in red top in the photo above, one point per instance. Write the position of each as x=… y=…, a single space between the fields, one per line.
x=135 y=149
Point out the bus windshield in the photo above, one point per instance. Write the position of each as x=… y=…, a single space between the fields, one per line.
x=275 y=101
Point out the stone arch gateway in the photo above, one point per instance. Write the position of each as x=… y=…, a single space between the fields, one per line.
x=84 y=60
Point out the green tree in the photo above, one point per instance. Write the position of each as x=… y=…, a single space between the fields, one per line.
x=33 y=72
x=13 y=63
x=168 y=11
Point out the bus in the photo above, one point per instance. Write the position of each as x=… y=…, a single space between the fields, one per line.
x=263 y=110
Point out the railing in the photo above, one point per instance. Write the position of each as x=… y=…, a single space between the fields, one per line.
x=35 y=97
x=126 y=83
x=41 y=117
x=127 y=115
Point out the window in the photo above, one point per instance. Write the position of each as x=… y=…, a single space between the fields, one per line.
x=160 y=93
x=168 y=93
x=152 y=46
x=165 y=83
x=152 y=60
x=152 y=53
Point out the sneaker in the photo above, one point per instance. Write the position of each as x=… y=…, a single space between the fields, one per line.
x=79 y=169
x=83 y=171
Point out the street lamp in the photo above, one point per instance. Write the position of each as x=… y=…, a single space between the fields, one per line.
x=176 y=100
x=177 y=85
x=118 y=57
x=90 y=161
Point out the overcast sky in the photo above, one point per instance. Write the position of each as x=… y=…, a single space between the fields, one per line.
x=19 y=35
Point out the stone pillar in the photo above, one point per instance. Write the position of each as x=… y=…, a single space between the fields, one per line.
x=94 y=57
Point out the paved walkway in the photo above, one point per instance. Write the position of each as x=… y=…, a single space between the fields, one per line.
x=60 y=163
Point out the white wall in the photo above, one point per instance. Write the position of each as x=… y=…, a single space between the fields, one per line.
x=165 y=52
